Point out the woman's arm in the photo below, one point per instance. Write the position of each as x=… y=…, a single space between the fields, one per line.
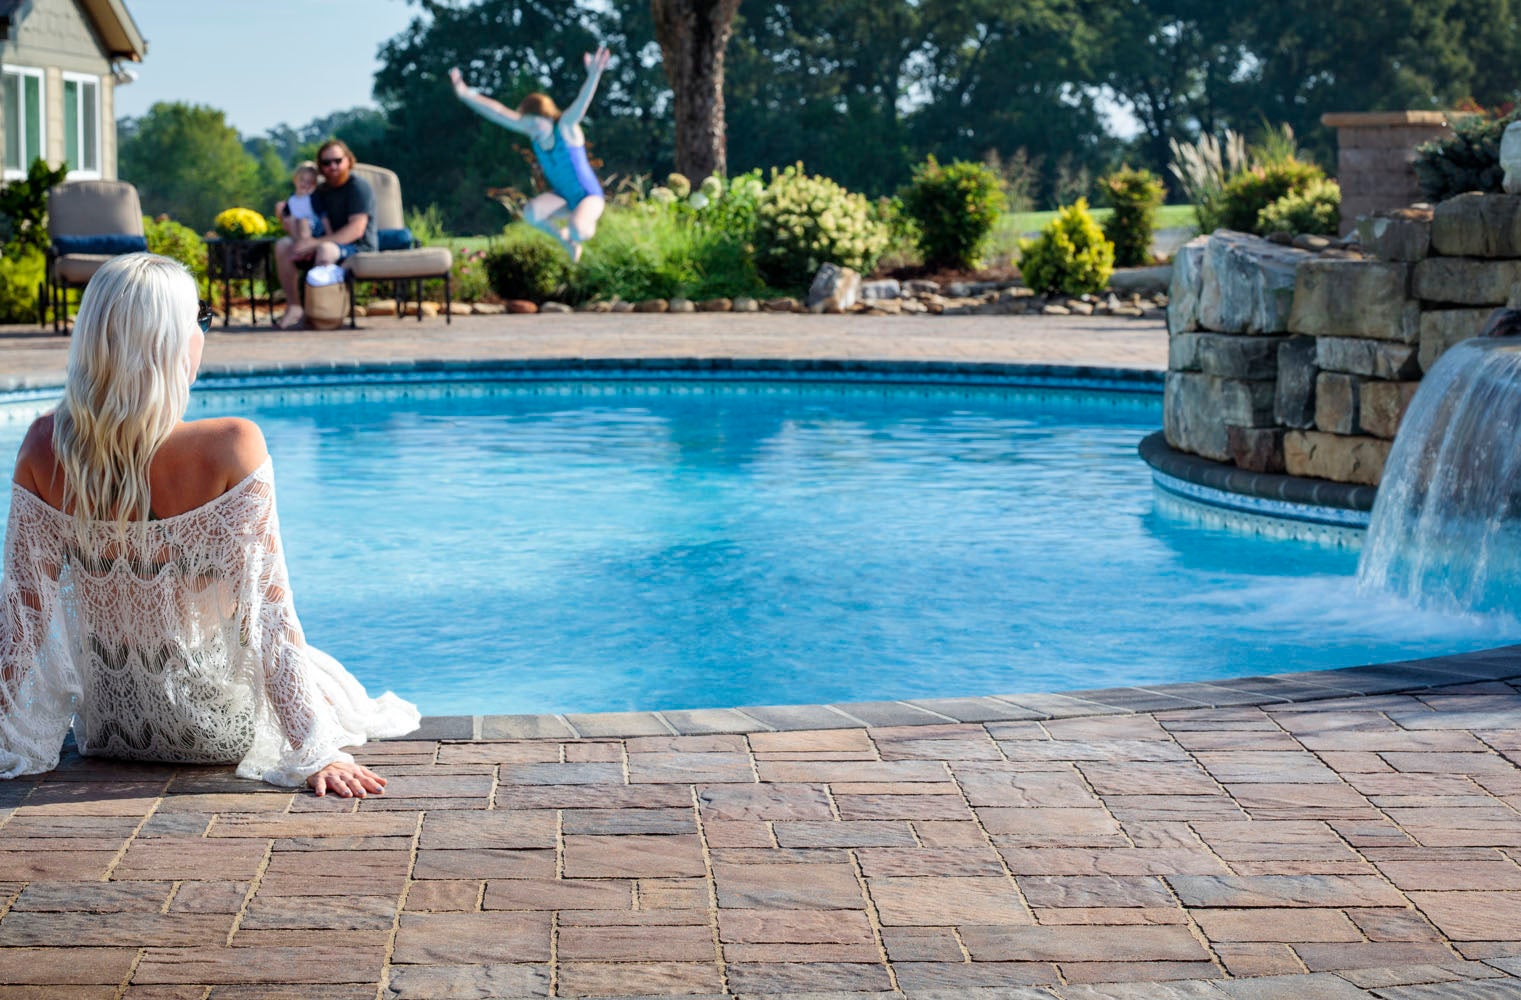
x=595 y=64
x=493 y=111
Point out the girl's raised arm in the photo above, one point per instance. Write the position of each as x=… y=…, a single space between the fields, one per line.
x=595 y=64
x=491 y=110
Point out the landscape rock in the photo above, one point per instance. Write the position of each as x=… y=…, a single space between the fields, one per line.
x=921 y=286
x=554 y=307
x=1187 y=284
x=745 y=304
x=1235 y=356
x=912 y=306
x=521 y=307
x=1294 y=392
x=886 y=307
x=834 y=289
x=1191 y=420
x=1256 y=449
x=1080 y=308
x=1401 y=236
x=1310 y=242
x=1383 y=406
x=623 y=307
x=1374 y=358
x=652 y=306
x=781 y=305
x=1052 y=309
x=1342 y=459
x=1478 y=225
x=1441 y=328
x=883 y=288
x=1247 y=284
x=1468 y=281
x=459 y=309
x=1336 y=397
x=1197 y=409
x=680 y=305
x=381 y=307
x=715 y=305
x=488 y=308
x=1355 y=298
x=1510 y=158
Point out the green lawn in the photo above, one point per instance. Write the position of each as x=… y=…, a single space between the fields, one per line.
x=1168 y=217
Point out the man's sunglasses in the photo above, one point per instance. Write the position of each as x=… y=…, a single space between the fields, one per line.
x=331 y=161
x=204 y=316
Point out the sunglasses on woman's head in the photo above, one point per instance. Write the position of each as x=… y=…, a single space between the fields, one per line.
x=204 y=316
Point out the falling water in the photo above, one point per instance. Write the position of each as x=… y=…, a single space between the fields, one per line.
x=1446 y=527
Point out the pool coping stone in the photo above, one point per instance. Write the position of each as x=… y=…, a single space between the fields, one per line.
x=1494 y=664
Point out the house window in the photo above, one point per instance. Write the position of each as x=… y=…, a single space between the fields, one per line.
x=21 y=94
x=81 y=125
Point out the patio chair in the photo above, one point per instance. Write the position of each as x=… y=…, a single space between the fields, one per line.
x=401 y=259
x=89 y=222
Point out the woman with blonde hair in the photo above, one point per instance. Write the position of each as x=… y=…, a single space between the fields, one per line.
x=575 y=195
x=145 y=599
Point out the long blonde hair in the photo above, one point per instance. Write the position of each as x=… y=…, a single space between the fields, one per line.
x=128 y=385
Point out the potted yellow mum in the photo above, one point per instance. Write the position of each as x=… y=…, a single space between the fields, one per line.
x=239 y=224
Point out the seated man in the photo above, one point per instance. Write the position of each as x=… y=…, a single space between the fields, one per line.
x=346 y=206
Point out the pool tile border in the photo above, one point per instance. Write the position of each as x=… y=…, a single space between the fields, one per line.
x=1500 y=663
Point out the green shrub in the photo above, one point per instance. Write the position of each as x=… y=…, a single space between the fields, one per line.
x=1316 y=209
x=427 y=225
x=1250 y=191
x=20 y=277
x=169 y=238
x=1468 y=160
x=526 y=266
x=1072 y=256
x=469 y=281
x=803 y=221
x=1135 y=196
x=24 y=207
x=955 y=208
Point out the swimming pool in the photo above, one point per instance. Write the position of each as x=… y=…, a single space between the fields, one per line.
x=584 y=542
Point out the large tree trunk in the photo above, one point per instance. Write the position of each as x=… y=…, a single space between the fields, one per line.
x=693 y=35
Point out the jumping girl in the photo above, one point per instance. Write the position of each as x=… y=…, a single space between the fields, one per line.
x=570 y=209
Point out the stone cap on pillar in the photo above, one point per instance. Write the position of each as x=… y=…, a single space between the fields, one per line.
x=1382 y=119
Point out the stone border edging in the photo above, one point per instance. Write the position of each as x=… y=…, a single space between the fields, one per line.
x=1500 y=663
x=1155 y=452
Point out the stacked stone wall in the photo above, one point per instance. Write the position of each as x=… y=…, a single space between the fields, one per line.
x=1282 y=360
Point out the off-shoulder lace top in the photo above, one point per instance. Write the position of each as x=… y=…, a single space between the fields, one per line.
x=177 y=642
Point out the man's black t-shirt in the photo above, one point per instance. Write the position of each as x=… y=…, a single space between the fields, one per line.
x=338 y=203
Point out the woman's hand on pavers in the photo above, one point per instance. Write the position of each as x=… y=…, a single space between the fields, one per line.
x=347 y=780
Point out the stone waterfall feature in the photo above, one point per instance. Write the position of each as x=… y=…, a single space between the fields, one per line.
x=1446 y=527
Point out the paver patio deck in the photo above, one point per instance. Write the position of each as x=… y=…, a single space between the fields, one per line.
x=1337 y=834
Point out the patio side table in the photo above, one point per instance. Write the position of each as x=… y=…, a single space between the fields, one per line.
x=231 y=260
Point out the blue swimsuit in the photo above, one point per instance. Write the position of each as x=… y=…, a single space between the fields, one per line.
x=566 y=170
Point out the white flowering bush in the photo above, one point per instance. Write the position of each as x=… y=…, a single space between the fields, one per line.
x=802 y=222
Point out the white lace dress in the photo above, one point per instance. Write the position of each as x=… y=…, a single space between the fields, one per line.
x=179 y=643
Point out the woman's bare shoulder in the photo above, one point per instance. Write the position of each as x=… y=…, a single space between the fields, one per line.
x=235 y=445
x=35 y=462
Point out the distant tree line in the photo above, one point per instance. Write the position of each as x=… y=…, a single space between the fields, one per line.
x=862 y=90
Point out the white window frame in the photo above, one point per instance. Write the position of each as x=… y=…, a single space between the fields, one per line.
x=83 y=174
x=42 y=111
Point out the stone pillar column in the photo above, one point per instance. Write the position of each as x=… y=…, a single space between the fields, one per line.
x=1374 y=152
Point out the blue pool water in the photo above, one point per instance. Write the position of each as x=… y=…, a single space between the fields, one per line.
x=608 y=546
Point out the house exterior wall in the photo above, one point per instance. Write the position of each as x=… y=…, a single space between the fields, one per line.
x=55 y=36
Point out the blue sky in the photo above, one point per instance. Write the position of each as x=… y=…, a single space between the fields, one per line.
x=246 y=57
